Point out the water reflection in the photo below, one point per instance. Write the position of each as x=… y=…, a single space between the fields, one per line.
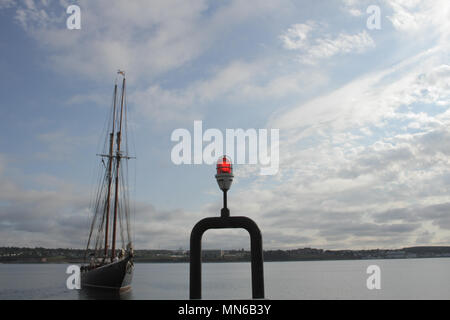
x=87 y=293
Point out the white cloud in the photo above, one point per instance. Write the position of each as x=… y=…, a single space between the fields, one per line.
x=164 y=105
x=146 y=40
x=314 y=47
x=237 y=81
x=31 y=15
x=421 y=18
x=296 y=36
x=342 y=44
x=355 y=8
x=371 y=98
x=355 y=12
x=407 y=15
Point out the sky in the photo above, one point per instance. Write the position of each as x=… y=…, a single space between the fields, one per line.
x=362 y=114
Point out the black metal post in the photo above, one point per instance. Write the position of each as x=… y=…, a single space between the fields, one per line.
x=225 y=199
x=225 y=222
x=225 y=212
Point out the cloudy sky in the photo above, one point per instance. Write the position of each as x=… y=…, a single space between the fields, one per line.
x=363 y=115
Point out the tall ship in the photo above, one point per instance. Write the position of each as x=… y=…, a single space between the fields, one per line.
x=109 y=250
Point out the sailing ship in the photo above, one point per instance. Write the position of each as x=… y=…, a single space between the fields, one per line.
x=109 y=260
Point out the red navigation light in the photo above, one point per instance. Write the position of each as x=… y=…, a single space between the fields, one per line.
x=224 y=165
x=224 y=174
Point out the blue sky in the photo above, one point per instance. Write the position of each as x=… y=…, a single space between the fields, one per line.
x=362 y=115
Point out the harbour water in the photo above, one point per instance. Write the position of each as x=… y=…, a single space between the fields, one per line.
x=400 y=279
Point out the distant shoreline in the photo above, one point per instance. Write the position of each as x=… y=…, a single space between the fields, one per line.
x=220 y=261
x=16 y=255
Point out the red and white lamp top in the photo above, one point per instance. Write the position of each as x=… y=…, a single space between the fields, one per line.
x=224 y=166
x=224 y=174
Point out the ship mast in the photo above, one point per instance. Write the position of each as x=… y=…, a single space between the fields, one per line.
x=118 y=157
x=110 y=162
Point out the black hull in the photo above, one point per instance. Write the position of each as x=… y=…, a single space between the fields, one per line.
x=114 y=276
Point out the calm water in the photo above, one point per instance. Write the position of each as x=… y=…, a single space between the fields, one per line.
x=400 y=279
